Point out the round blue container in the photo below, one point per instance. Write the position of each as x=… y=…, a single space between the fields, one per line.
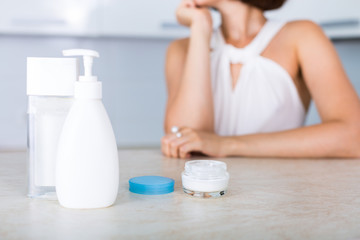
x=151 y=185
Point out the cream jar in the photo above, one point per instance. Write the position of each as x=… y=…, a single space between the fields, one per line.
x=205 y=178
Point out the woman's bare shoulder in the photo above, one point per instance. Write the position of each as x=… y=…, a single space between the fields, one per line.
x=302 y=31
x=306 y=25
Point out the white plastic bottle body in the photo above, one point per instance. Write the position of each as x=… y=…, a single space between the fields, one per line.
x=87 y=170
x=46 y=116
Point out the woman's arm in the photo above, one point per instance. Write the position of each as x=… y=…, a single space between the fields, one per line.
x=188 y=72
x=337 y=102
x=329 y=139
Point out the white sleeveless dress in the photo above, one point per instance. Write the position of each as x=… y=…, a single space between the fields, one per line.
x=264 y=99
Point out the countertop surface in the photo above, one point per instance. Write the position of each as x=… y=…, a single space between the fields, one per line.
x=266 y=199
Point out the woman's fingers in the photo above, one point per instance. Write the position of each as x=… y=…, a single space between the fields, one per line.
x=164 y=146
x=187 y=11
x=191 y=146
x=188 y=3
x=171 y=143
x=176 y=144
x=165 y=143
x=179 y=138
x=187 y=140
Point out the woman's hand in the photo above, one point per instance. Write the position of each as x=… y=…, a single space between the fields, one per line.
x=187 y=140
x=189 y=15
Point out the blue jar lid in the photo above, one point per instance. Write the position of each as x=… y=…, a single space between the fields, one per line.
x=151 y=185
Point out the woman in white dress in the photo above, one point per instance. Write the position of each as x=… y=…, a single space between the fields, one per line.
x=244 y=89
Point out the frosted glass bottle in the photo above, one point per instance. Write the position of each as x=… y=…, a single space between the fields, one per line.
x=50 y=95
x=87 y=170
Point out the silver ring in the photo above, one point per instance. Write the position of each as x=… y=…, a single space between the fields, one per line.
x=174 y=129
x=178 y=134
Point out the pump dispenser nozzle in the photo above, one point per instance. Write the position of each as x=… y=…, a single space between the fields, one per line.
x=87 y=86
x=88 y=56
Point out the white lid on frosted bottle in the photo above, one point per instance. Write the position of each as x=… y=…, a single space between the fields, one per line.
x=51 y=76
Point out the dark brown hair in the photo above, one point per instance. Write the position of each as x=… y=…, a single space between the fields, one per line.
x=265 y=4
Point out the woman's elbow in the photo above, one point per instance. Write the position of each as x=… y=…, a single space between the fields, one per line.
x=353 y=143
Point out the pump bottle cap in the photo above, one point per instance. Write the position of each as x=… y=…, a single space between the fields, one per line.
x=87 y=87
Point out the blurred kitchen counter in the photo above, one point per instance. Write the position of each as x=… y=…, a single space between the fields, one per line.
x=267 y=199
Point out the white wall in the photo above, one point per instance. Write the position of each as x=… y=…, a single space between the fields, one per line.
x=131 y=71
x=133 y=81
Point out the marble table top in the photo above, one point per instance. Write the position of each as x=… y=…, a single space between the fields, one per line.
x=266 y=199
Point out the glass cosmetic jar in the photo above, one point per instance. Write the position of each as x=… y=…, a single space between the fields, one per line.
x=205 y=178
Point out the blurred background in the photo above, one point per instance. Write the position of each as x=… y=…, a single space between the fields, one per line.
x=131 y=37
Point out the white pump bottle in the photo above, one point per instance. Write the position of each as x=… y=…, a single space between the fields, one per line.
x=87 y=167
